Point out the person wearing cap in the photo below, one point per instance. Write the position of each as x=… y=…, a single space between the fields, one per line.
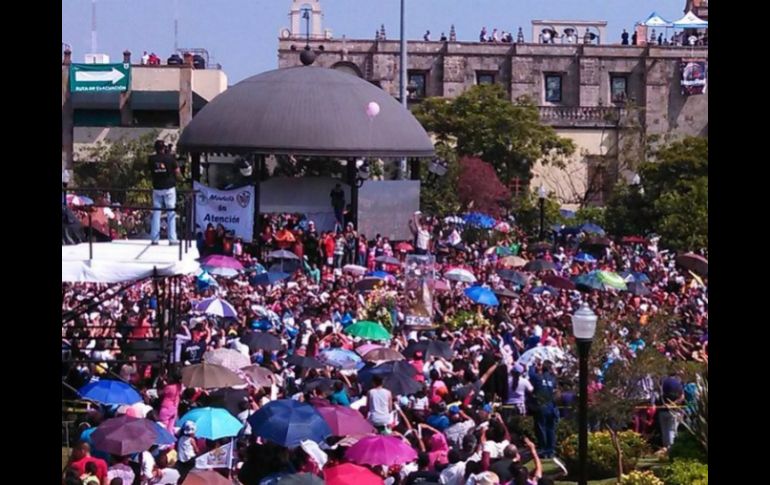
x=518 y=388
x=164 y=171
x=461 y=424
x=187 y=448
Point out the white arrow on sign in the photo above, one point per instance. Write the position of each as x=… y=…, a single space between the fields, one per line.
x=99 y=76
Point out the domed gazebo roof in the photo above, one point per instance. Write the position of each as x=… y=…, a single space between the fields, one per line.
x=309 y=111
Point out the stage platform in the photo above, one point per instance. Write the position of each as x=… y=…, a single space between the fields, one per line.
x=125 y=260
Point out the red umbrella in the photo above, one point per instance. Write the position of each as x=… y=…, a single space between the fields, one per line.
x=348 y=473
x=633 y=240
x=558 y=282
x=694 y=262
x=381 y=450
x=345 y=421
x=404 y=247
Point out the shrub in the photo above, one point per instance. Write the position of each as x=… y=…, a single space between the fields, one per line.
x=602 y=457
x=641 y=478
x=687 y=447
x=685 y=472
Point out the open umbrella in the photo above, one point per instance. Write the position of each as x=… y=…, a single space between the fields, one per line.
x=124 y=436
x=382 y=354
x=633 y=240
x=349 y=473
x=515 y=277
x=477 y=219
x=366 y=374
x=388 y=260
x=230 y=358
x=366 y=348
x=539 y=265
x=383 y=275
x=460 y=274
x=229 y=399
x=269 y=278
x=513 y=261
x=323 y=384
x=205 y=477
x=404 y=247
x=381 y=450
x=589 y=281
x=637 y=288
x=287 y=423
x=634 y=276
x=558 y=282
x=345 y=421
x=217 y=307
x=613 y=280
x=259 y=376
x=440 y=285
x=368 y=284
x=354 y=269
x=261 y=341
x=481 y=295
x=584 y=258
x=212 y=423
x=401 y=384
x=341 y=358
x=503 y=227
x=300 y=479
x=540 y=247
x=591 y=228
x=108 y=391
x=368 y=330
x=544 y=289
x=596 y=241
x=542 y=353
x=219 y=261
x=209 y=376
x=429 y=348
x=305 y=362
x=506 y=293
x=282 y=254
x=694 y=262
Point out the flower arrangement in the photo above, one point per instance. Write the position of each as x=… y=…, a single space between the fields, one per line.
x=379 y=306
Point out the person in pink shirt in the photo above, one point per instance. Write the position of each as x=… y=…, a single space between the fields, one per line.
x=169 y=405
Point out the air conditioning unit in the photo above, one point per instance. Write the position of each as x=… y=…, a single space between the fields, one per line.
x=97 y=59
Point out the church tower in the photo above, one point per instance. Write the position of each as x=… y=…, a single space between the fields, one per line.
x=300 y=9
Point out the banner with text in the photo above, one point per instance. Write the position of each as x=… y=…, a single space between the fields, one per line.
x=221 y=457
x=234 y=209
x=693 y=76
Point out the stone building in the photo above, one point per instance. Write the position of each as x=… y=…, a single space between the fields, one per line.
x=603 y=95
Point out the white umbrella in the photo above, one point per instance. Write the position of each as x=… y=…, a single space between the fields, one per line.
x=354 y=269
x=459 y=274
x=232 y=359
x=217 y=307
x=542 y=353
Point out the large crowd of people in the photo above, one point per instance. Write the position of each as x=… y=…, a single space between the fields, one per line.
x=461 y=393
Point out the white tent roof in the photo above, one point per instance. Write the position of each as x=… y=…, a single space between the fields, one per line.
x=690 y=21
x=655 y=20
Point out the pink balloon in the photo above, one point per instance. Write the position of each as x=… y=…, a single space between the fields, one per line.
x=372 y=109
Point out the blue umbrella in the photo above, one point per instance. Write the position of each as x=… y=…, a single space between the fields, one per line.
x=341 y=358
x=584 y=258
x=481 y=295
x=383 y=275
x=591 y=228
x=287 y=423
x=589 y=280
x=635 y=276
x=212 y=423
x=478 y=219
x=217 y=307
x=269 y=278
x=567 y=214
x=544 y=289
x=110 y=392
x=204 y=280
x=256 y=267
x=570 y=230
x=164 y=437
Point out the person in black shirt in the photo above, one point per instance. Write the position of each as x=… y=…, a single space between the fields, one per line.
x=164 y=170
x=546 y=414
x=624 y=37
x=338 y=204
x=422 y=475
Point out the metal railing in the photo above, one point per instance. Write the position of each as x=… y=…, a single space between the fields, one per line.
x=186 y=212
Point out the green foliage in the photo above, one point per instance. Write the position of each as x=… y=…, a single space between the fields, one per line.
x=438 y=195
x=685 y=472
x=637 y=477
x=671 y=200
x=467 y=319
x=602 y=457
x=121 y=164
x=526 y=209
x=589 y=214
x=687 y=447
x=697 y=422
x=483 y=122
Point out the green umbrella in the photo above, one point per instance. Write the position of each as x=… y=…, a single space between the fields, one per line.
x=368 y=330
x=613 y=280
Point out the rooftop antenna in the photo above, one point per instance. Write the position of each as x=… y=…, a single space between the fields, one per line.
x=306 y=16
x=176 y=25
x=93 y=26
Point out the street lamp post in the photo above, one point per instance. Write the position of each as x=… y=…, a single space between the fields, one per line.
x=541 y=195
x=583 y=328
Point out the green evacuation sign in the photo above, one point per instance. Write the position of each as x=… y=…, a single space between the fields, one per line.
x=99 y=78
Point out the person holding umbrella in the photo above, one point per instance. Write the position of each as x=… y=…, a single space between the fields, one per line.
x=187 y=448
x=380 y=402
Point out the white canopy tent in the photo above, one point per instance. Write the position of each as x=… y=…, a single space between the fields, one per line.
x=655 y=20
x=691 y=21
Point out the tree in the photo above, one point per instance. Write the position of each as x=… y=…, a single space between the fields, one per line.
x=479 y=188
x=482 y=122
x=438 y=195
x=120 y=164
x=526 y=209
x=671 y=198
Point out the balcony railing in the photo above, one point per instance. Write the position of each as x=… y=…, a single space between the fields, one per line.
x=581 y=115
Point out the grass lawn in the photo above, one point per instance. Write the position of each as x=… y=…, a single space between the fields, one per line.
x=550 y=468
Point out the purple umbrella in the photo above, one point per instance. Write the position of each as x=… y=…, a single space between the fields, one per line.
x=125 y=435
x=219 y=261
x=381 y=450
x=345 y=421
x=216 y=306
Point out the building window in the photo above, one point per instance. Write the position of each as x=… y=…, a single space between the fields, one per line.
x=485 y=78
x=618 y=88
x=553 y=88
x=416 y=86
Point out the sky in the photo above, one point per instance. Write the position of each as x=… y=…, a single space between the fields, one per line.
x=242 y=35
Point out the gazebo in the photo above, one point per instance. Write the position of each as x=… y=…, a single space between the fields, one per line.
x=304 y=111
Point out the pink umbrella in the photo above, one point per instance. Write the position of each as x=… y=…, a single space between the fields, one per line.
x=440 y=285
x=345 y=421
x=362 y=350
x=381 y=450
x=219 y=261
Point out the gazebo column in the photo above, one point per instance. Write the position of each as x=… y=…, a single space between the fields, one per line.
x=259 y=161
x=195 y=167
x=353 y=182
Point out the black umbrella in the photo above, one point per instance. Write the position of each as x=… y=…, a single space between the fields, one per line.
x=429 y=348
x=324 y=384
x=366 y=374
x=540 y=246
x=694 y=262
x=400 y=384
x=539 y=265
x=229 y=399
x=506 y=293
x=387 y=260
x=305 y=362
x=637 y=288
x=368 y=284
x=596 y=241
x=515 y=277
x=282 y=254
x=261 y=341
